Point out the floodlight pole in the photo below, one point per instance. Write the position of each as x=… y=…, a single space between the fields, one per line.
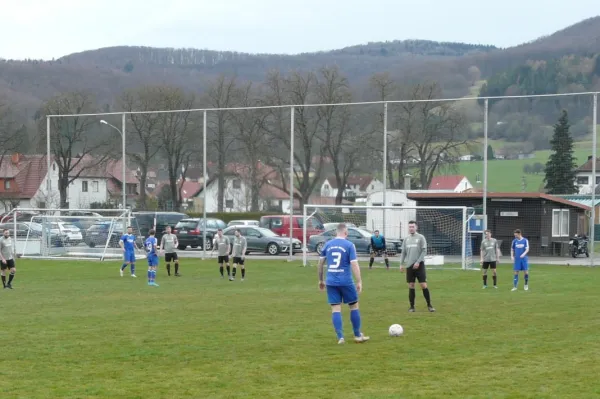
x=292 y=122
x=385 y=160
x=48 y=156
x=204 y=182
x=124 y=171
x=594 y=160
x=485 y=160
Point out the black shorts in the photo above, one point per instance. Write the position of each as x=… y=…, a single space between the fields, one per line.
x=379 y=252
x=489 y=265
x=238 y=260
x=171 y=257
x=10 y=264
x=420 y=274
x=224 y=259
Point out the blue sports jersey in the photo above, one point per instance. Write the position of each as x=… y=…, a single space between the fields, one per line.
x=128 y=242
x=339 y=252
x=150 y=245
x=378 y=242
x=519 y=247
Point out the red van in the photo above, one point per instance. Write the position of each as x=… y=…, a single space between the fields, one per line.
x=280 y=225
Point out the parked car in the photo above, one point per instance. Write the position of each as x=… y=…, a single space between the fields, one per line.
x=23 y=230
x=361 y=239
x=190 y=232
x=70 y=234
x=144 y=221
x=280 y=225
x=264 y=240
x=98 y=234
x=331 y=226
x=88 y=220
x=243 y=223
x=21 y=216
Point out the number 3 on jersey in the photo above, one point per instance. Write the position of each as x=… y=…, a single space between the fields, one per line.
x=337 y=257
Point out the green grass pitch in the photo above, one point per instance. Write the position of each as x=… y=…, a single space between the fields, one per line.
x=77 y=330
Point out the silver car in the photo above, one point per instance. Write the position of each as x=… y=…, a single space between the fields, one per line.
x=263 y=240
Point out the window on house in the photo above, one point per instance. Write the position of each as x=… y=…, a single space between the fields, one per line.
x=7 y=184
x=560 y=223
x=131 y=189
x=237 y=184
x=229 y=204
x=95 y=186
x=41 y=204
x=84 y=186
x=583 y=180
x=597 y=179
x=372 y=187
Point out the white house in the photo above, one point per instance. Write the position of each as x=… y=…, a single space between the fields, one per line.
x=356 y=186
x=453 y=183
x=584 y=177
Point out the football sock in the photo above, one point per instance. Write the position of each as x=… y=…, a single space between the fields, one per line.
x=221 y=270
x=149 y=275
x=387 y=263
x=526 y=279
x=168 y=269
x=411 y=297
x=336 y=318
x=515 y=280
x=485 y=279
x=124 y=266
x=4 y=281
x=234 y=271
x=132 y=268
x=495 y=279
x=355 y=320
x=371 y=262
x=427 y=296
x=228 y=271
x=176 y=267
x=243 y=272
x=153 y=275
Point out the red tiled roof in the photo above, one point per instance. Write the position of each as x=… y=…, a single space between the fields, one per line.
x=32 y=170
x=449 y=182
x=189 y=189
x=479 y=195
x=587 y=167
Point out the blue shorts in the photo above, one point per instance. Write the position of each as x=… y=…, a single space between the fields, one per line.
x=337 y=294
x=129 y=257
x=153 y=260
x=521 y=265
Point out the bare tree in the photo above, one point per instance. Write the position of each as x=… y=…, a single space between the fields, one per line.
x=343 y=147
x=74 y=148
x=254 y=142
x=143 y=134
x=178 y=142
x=308 y=155
x=435 y=130
x=221 y=94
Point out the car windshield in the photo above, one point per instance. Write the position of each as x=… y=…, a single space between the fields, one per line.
x=70 y=226
x=364 y=233
x=266 y=232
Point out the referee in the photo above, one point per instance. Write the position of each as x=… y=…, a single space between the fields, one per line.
x=168 y=244
x=414 y=249
x=7 y=250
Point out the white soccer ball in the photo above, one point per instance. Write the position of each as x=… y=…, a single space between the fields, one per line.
x=396 y=330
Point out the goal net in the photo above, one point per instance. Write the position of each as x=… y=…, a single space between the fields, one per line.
x=449 y=241
x=70 y=233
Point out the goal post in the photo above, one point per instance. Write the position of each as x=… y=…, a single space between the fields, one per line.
x=86 y=234
x=446 y=228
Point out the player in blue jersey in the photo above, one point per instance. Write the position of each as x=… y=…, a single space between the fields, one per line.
x=518 y=253
x=340 y=255
x=127 y=242
x=151 y=245
x=378 y=248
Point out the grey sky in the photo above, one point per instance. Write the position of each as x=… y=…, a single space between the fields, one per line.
x=47 y=29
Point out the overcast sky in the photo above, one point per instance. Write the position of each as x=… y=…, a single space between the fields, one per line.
x=53 y=28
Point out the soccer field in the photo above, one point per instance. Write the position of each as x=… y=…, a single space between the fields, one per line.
x=78 y=330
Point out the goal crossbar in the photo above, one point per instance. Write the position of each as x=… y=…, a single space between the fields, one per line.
x=445 y=228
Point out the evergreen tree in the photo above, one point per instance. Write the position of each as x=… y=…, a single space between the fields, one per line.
x=490 y=152
x=560 y=169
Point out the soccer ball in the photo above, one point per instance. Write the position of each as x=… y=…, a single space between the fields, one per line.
x=396 y=330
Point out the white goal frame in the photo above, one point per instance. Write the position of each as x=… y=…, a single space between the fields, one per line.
x=467 y=214
x=123 y=216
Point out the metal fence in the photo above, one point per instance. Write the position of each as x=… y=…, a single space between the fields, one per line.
x=391 y=134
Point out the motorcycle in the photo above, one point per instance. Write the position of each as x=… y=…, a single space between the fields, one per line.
x=579 y=246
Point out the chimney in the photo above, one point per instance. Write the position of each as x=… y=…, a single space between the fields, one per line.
x=407 y=181
x=15 y=158
x=589 y=157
